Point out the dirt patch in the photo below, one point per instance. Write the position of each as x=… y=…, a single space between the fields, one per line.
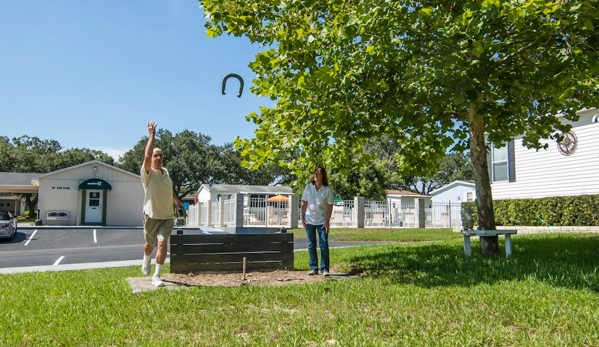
x=277 y=277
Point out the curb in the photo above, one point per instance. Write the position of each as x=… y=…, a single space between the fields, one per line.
x=80 y=266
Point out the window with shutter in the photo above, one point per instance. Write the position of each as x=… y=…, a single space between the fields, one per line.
x=502 y=164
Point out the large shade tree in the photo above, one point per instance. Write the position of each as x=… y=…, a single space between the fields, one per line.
x=430 y=74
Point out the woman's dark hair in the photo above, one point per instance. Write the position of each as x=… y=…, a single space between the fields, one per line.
x=325 y=179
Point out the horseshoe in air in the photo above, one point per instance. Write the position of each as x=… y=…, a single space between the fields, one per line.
x=240 y=83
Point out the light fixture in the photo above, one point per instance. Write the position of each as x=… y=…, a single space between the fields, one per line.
x=95 y=170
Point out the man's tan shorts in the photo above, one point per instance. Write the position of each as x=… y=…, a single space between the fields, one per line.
x=157 y=230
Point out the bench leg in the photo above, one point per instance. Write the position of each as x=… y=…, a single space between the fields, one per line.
x=467 y=246
x=508 y=245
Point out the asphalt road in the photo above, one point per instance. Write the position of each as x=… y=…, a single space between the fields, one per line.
x=53 y=249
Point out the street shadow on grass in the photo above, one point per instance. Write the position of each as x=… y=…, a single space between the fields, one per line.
x=561 y=260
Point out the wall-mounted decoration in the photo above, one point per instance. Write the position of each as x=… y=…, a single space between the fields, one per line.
x=567 y=146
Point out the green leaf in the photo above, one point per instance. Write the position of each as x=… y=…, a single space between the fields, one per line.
x=213 y=32
x=477 y=49
x=458 y=99
x=426 y=10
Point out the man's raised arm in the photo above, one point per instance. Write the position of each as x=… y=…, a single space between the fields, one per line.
x=149 y=146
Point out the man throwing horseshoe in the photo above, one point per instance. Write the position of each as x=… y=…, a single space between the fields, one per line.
x=158 y=214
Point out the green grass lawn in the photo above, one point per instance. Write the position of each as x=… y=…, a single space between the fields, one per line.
x=407 y=294
x=388 y=234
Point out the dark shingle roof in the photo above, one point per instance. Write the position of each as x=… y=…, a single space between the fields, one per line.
x=17 y=178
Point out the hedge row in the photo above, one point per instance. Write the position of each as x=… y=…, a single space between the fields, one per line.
x=555 y=211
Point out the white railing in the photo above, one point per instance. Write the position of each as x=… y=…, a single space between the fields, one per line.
x=197 y=215
x=229 y=212
x=376 y=214
x=259 y=212
x=437 y=215
x=343 y=214
x=193 y=215
x=404 y=215
x=277 y=213
x=444 y=215
x=215 y=214
x=204 y=213
x=255 y=212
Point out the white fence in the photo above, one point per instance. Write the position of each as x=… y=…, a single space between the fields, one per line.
x=256 y=212
x=229 y=218
x=261 y=213
x=436 y=215
x=376 y=214
x=343 y=214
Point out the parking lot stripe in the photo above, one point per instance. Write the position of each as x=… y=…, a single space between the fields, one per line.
x=30 y=238
x=58 y=261
x=95 y=238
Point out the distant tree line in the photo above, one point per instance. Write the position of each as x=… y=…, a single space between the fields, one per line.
x=192 y=160
x=189 y=156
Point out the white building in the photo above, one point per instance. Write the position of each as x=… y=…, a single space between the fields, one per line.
x=92 y=193
x=455 y=192
x=570 y=168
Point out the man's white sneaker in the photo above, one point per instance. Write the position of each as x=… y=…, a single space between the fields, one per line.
x=157 y=282
x=312 y=272
x=325 y=273
x=145 y=268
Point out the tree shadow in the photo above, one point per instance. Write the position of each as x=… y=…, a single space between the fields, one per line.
x=563 y=261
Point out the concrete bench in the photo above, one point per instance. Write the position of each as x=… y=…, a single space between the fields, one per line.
x=226 y=252
x=507 y=233
x=57 y=217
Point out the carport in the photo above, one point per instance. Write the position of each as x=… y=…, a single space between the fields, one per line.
x=16 y=183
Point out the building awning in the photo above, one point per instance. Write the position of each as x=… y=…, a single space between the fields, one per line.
x=95 y=183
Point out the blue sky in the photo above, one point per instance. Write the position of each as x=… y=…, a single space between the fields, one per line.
x=91 y=74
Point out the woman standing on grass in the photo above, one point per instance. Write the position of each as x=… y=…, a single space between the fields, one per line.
x=317 y=207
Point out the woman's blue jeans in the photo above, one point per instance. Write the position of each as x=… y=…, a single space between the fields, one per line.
x=323 y=242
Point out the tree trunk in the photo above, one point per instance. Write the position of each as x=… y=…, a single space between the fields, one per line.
x=31 y=204
x=484 y=199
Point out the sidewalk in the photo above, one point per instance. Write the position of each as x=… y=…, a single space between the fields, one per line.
x=79 y=266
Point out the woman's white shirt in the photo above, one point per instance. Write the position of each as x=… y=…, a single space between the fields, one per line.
x=318 y=202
